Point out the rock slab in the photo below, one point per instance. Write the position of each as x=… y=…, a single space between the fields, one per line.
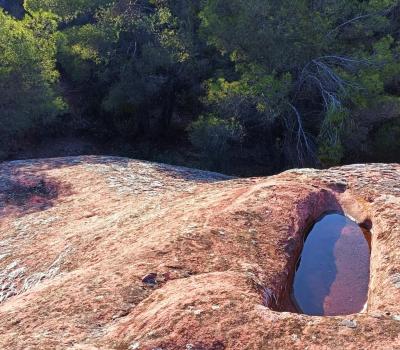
x=113 y=253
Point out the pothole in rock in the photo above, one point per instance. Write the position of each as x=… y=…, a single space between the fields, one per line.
x=332 y=274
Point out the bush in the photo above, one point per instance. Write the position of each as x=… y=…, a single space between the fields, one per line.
x=331 y=150
x=386 y=142
x=28 y=77
x=213 y=136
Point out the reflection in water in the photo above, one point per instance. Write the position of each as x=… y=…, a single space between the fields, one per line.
x=333 y=273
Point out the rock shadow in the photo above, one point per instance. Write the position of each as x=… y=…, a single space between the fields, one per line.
x=25 y=188
x=192 y=175
x=24 y=191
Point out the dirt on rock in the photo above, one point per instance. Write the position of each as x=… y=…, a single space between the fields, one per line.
x=112 y=253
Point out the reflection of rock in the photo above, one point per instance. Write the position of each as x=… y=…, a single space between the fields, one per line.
x=114 y=221
x=317 y=270
x=348 y=293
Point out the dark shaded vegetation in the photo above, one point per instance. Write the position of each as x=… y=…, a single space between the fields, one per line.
x=243 y=87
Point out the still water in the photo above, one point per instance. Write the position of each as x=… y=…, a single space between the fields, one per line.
x=332 y=274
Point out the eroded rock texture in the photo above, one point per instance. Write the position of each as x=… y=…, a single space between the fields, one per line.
x=111 y=253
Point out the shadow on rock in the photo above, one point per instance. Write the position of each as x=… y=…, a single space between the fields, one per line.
x=24 y=193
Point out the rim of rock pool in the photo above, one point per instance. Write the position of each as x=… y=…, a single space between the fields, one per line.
x=364 y=238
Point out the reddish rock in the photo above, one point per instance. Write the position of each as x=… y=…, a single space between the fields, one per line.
x=78 y=237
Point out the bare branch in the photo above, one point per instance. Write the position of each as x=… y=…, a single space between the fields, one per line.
x=303 y=144
x=359 y=18
x=355 y=19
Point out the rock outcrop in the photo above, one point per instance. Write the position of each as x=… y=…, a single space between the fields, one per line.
x=111 y=253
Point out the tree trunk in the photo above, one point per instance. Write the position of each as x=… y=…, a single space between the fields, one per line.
x=168 y=111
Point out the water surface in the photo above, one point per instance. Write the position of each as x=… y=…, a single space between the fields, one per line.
x=332 y=275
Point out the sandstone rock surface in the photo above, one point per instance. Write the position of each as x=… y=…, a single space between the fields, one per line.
x=111 y=253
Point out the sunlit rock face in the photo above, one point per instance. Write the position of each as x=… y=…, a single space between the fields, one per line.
x=117 y=254
x=332 y=276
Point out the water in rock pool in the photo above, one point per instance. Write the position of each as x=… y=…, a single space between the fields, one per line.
x=332 y=275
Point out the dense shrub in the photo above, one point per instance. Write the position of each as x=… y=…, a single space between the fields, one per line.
x=273 y=84
x=213 y=136
x=29 y=98
x=386 y=142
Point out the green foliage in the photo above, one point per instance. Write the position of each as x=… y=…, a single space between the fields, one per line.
x=28 y=78
x=134 y=55
x=283 y=81
x=331 y=151
x=213 y=135
x=386 y=142
x=65 y=9
x=256 y=95
x=299 y=61
x=334 y=122
x=277 y=35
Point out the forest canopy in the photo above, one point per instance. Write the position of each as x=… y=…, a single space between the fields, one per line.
x=240 y=86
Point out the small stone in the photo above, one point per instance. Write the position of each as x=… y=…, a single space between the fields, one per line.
x=340 y=184
x=396 y=280
x=150 y=279
x=396 y=317
x=197 y=312
x=134 y=346
x=3 y=256
x=349 y=323
x=121 y=313
x=215 y=307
